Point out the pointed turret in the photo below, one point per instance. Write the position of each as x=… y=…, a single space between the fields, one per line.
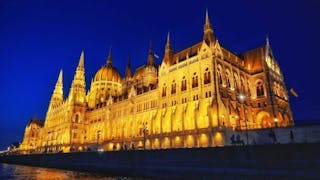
x=267 y=41
x=150 y=61
x=128 y=69
x=81 y=60
x=57 y=95
x=109 y=59
x=78 y=86
x=168 y=54
x=207 y=30
x=168 y=44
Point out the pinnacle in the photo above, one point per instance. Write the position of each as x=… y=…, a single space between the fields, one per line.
x=168 y=40
x=150 y=47
x=207 y=17
x=81 y=60
x=267 y=40
x=60 y=77
x=109 y=59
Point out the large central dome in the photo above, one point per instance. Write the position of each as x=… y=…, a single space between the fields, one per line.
x=107 y=82
x=107 y=73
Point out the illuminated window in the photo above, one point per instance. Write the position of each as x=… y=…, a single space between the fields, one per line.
x=195 y=80
x=173 y=87
x=183 y=84
x=248 y=88
x=184 y=100
x=207 y=77
x=236 y=84
x=260 y=89
x=208 y=94
x=76 y=119
x=242 y=85
x=228 y=80
x=164 y=90
x=219 y=76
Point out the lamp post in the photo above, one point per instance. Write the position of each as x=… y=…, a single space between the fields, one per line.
x=98 y=137
x=242 y=99
x=276 y=122
x=144 y=131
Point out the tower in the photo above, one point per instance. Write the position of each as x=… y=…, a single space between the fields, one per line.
x=78 y=87
x=128 y=70
x=109 y=59
x=168 y=54
x=208 y=31
x=150 y=61
x=57 y=95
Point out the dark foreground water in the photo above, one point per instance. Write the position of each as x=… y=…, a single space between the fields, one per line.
x=10 y=171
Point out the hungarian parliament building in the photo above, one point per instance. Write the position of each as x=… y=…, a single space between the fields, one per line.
x=189 y=100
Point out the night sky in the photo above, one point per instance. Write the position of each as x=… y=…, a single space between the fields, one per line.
x=38 y=38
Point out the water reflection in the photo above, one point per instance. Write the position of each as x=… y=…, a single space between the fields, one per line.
x=10 y=171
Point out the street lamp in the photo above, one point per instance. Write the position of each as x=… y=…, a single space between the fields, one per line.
x=276 y=122
x=242 y=99
x=98 y=137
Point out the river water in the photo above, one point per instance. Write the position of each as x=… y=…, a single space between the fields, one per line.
x=10 y=171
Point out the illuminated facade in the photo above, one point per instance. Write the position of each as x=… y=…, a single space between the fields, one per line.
x=186 y=101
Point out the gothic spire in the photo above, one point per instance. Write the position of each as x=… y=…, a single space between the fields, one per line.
x=267 y=41
x=109 y=59
x=207 y=30
x=128 y=69
x=168 y=54
x=150 y=55
x=168 y=44
x=57 y=95
x=81 y=60
x=78 y=86
x=59 y=82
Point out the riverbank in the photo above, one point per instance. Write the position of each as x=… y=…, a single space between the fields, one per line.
x=261 y=161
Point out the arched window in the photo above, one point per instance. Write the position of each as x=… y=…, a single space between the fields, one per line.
x=236 y=85
x=242 y=84
x=248 y=88
x=173 y=87
x=195 y=80
x=76 y=119
x=228 y=80
x=164 y=90
x=207 y=77
x=183 y=84
x=260 y=89
x=219 y=76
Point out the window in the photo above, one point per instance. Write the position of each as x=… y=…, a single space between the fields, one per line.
x=195 y=97
x=164 y=90
x=260 y=89
x=219 y=76
x=183 y=84
x=184 y=100
x=242 y=85
x=208 y=94
x=228 y=80
x=164 y=105
x=76 y=119
x=207 y=77
x=236 y=84
x=248 y=88
x=173 y=87
x=195 y=80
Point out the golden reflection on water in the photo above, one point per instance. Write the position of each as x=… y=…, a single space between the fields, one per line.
x=10 y=171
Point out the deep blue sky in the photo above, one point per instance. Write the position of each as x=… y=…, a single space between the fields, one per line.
x=37 y=38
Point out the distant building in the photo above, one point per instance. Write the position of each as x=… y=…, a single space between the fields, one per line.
x=183 y=102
